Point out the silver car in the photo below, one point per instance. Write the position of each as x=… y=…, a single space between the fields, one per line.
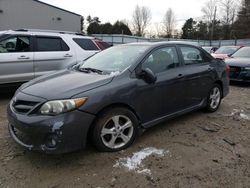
x=27 y=54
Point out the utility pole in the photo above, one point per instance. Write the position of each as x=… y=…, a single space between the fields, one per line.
x=212 y=28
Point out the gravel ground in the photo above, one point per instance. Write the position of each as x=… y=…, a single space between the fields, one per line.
x=195 y=150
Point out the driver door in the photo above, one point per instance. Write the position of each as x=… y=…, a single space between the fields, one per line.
x=16 y=59
x=165 y=96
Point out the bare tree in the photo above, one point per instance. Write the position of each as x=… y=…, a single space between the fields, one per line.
x=209 y=10
x=228 y=10
x=169 y=22
x=141 y=18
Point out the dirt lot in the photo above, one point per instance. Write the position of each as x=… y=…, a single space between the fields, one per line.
x=197 y=150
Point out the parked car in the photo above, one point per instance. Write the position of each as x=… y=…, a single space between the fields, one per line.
x=113 y=95
x=27 y=54
x=240 y=65
x=225 y=52
x=210 y=49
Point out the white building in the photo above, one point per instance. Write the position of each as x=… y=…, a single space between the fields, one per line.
x=34 y=14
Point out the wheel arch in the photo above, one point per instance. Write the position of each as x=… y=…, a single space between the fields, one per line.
x=219 y=82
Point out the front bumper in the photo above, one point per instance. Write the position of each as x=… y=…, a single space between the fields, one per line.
x=239 y=74
x=50 y=134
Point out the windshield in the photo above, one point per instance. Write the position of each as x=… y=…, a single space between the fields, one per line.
x=226 y=50
x=243 y=52
x=114 y=59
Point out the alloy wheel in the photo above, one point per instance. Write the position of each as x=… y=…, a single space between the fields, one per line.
x=215 y=97
x=117 y=131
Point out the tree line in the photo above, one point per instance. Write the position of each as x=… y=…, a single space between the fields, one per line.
x=224 y=19
x=221 y=19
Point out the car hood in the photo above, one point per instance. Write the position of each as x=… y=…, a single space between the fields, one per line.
x=240 y=62
x=64 y=84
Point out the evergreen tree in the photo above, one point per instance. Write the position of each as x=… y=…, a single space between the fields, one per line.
x=241 y=28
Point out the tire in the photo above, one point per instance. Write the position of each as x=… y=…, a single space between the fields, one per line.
x=115 y=130
x=214 y=98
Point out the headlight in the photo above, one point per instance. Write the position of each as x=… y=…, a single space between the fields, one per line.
x=61 y=106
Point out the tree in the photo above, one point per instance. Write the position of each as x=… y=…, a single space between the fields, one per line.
x=141 y=18
x=228 y=14
x=202 y=32
x=208 y=10
x=169 y=22
x=94 y=28
x=106 y=28
x=188 y=29
x=120 y=28
x=241 y=27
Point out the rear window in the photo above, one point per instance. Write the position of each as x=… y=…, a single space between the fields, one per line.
x=102 y=45
x=45 y=44
x=85 y=44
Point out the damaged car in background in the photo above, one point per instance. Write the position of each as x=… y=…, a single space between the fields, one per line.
x=113 y=95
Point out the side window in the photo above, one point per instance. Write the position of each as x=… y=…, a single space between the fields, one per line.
x=47 y=44
x=85 y=44
x=191 y=55
x=162 y=60
x=15 y=44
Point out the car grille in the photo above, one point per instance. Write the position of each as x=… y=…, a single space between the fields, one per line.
x=24 y=107
x=235 y=72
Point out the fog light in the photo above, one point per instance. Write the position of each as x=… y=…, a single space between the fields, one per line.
x=52 y=141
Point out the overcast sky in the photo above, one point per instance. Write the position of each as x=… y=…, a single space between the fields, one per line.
x=112 y=10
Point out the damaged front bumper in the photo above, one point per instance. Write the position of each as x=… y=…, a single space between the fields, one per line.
x=50 y=134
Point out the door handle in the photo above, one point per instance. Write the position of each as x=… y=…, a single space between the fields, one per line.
x=68 y=55
x=23 y=57
x=180 y=76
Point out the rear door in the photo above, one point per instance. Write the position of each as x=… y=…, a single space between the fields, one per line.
x=198 y=76
x=51 y=54
x=16 y=59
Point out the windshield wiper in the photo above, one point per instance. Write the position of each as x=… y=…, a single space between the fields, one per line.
x=89 y=69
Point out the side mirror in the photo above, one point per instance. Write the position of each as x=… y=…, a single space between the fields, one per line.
x=148 y=75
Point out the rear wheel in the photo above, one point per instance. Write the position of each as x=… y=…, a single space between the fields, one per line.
x=115 y=129
x=214 y=98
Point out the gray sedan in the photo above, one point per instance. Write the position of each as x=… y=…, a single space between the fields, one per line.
x=110 y=97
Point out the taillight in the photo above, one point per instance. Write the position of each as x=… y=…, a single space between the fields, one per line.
x=227 y=68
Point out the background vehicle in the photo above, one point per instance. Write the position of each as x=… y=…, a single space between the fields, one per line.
x=225 y=52
x=113 y=94
x=210 y=49
x=27 y=54
x=240 y=65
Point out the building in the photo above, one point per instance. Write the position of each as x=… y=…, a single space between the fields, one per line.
x=34 y=14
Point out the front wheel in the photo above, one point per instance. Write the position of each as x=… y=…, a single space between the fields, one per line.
x=214 y=98
x=115 y=129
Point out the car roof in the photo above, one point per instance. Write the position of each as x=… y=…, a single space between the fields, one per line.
x=155 y=44
x=46 y=33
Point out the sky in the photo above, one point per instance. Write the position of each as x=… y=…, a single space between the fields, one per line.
x=113 y=10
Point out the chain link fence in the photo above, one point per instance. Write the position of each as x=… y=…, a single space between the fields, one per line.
x=124 y=39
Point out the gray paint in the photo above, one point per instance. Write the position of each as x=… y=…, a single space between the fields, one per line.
x=16 y=14
x=169 y=97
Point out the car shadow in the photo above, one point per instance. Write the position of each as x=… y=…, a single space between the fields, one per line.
x=7 y=92
x=239 y=84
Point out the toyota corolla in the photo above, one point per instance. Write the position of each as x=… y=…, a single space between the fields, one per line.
x=113 y=95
